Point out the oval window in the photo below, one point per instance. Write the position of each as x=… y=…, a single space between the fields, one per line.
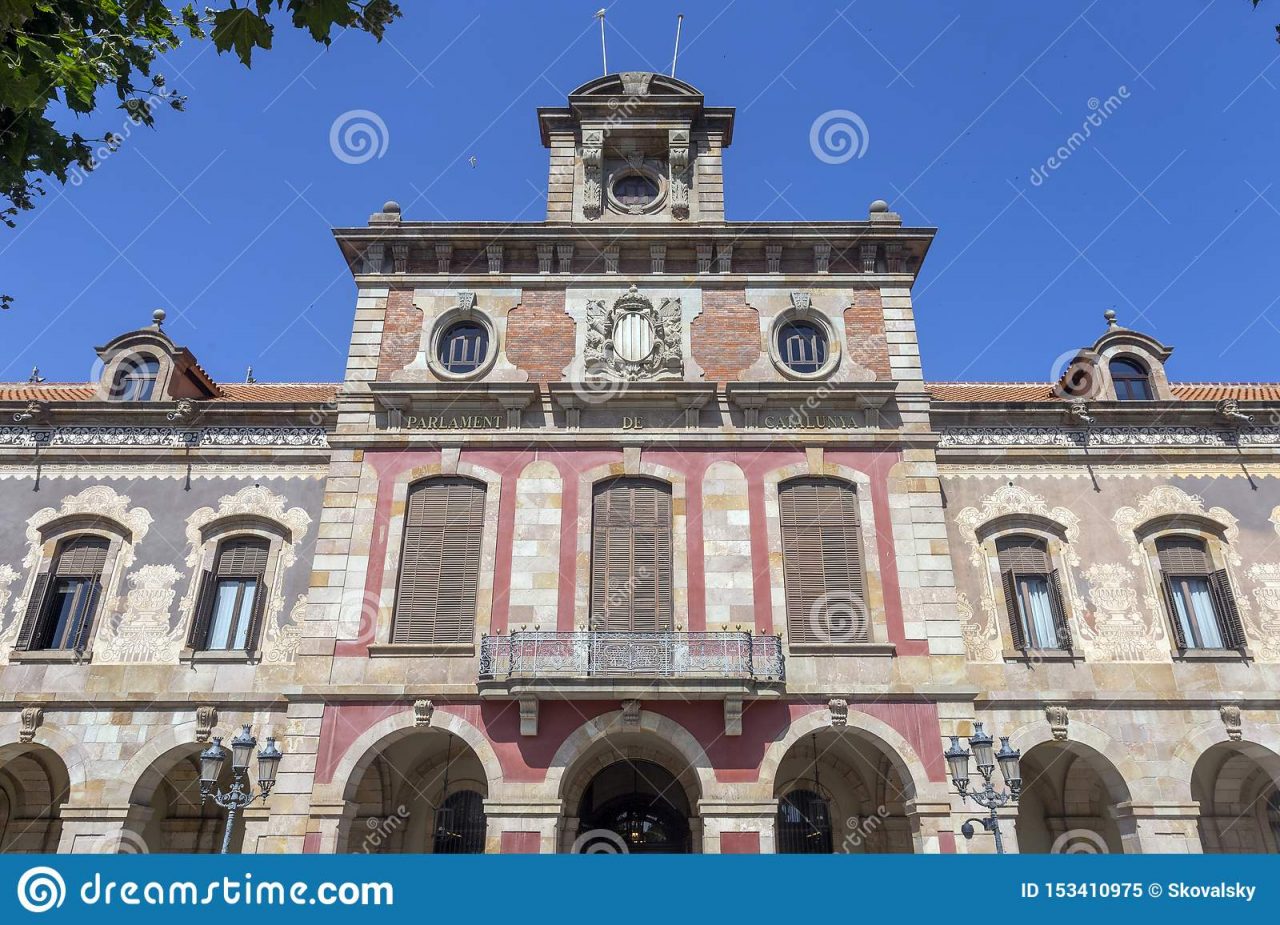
x=463 y=347
x=635 y=190
x=802 y=346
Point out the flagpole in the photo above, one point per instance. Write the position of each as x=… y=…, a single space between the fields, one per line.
x=604 y=57
x=676 y=53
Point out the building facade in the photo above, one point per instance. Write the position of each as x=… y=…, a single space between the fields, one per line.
x=639 y=530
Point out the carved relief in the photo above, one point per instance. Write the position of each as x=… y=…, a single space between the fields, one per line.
x=1230 y=713
x=678 y=160
x=142 y=632
x=1121 y=631
x=260 y=502
x=281 y=637
x=1009 y=500
x=839 y=709
x=422 y=712
x=32 y=717
x=206 y=719
x=593 y=173
x=1169 y=500
x=633 y=340
x=9 y=626
x=981 y=638
x=1266 y=628
x=1059 y=719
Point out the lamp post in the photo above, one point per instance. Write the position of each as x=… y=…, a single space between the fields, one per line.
x=988 y=797
x=241 y=793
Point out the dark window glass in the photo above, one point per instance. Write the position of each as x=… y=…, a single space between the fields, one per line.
x=136 y=379
x=68 y=609
x=804 y=824
x=635 y=190
x=1131 y=380
x=1188 y=582
x=463 y=347
x=802 y=346
x=460 y=824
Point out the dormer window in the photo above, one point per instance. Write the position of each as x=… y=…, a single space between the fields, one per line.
x=1131 y=380
x=136 y=379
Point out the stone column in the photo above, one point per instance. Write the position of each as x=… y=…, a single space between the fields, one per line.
x=328 y=827
x=521 y=826
x=735 y=818
x=1159 y=828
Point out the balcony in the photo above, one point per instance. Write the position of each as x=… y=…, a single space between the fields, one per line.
x=623 y=664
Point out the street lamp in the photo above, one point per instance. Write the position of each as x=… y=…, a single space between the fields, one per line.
x=241 y=793
x=987 y=759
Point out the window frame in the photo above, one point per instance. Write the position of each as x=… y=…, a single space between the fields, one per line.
x=1143 y=376
x=1018 y=621
x=443 y=324
x=664 y=609
x=209 y=579
x=819 y=320
x=36 y=612
x=126 y=374
x=1221 y=589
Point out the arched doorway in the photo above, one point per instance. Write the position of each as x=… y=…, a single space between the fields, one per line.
x=166 y=813
x=640 y=803
x=422 y=793
x=1068 y=804
x=840 y=792
x=33 y=786
x=1235 y=784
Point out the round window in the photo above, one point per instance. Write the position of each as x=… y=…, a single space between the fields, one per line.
x=635 y=189
x=802 y=346
x=463 y=347
x=633 y=338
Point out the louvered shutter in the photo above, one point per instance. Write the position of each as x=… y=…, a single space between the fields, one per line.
x=198 y=638
x=822 y=562
x=256 y=610
x=631 y=557
x=1183 y=555
x=87 y=613
x=1025 y=555
x=1017 y=631
x=1179 y=637
x=81 y=557
x=242 y=557
x=1059 y=610
x=36 y=613
x=440 y=562
x=1224 y=604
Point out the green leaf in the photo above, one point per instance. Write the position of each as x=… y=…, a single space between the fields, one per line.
x=242 y=30
x=14 y=13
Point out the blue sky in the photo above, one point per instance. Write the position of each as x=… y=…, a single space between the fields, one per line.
x=1167 y=213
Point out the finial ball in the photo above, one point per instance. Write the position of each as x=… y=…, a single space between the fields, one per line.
x=158 y=316
x=391 y=206
x=879 y=206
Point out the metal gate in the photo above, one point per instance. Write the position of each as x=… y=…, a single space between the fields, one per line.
x=460 y=824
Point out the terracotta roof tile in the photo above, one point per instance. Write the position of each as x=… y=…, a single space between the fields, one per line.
x=1043 y=391
x=240 y=392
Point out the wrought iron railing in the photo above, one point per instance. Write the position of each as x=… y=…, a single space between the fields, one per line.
x=599 y=654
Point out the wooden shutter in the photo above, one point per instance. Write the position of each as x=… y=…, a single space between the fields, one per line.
x=1183 y=555
x=1179 y=637
x=198 y=638
x=1059 y=610
x=821 y=559
x=37 y=610
x=440 y=562
x=256 y=610
x=1026 y=555
x=242 y=557
x=1017 y=631
x=631 y=557
x=81 y=557
x=87 y=613
x=1224 y=605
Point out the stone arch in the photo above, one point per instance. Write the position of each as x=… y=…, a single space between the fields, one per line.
x=34 y=785
x=73 y=756
x=679 y=531
x=1261 y=742
x=1236 y=785
x=166 y=812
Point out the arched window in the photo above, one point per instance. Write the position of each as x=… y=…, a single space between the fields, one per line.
x=822 y=562
x=1199 y=599
x=440 y=562
x=232 y=596
x=460 y=824
x=1032 y=593
x=135 y=379
x=804 y=824
x=1131 y=380
x=64 y=600
x=631 y=563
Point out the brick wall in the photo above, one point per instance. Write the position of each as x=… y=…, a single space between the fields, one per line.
x=401 y=333
x=726 y=336
x=540 y=336
x=864 y=326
